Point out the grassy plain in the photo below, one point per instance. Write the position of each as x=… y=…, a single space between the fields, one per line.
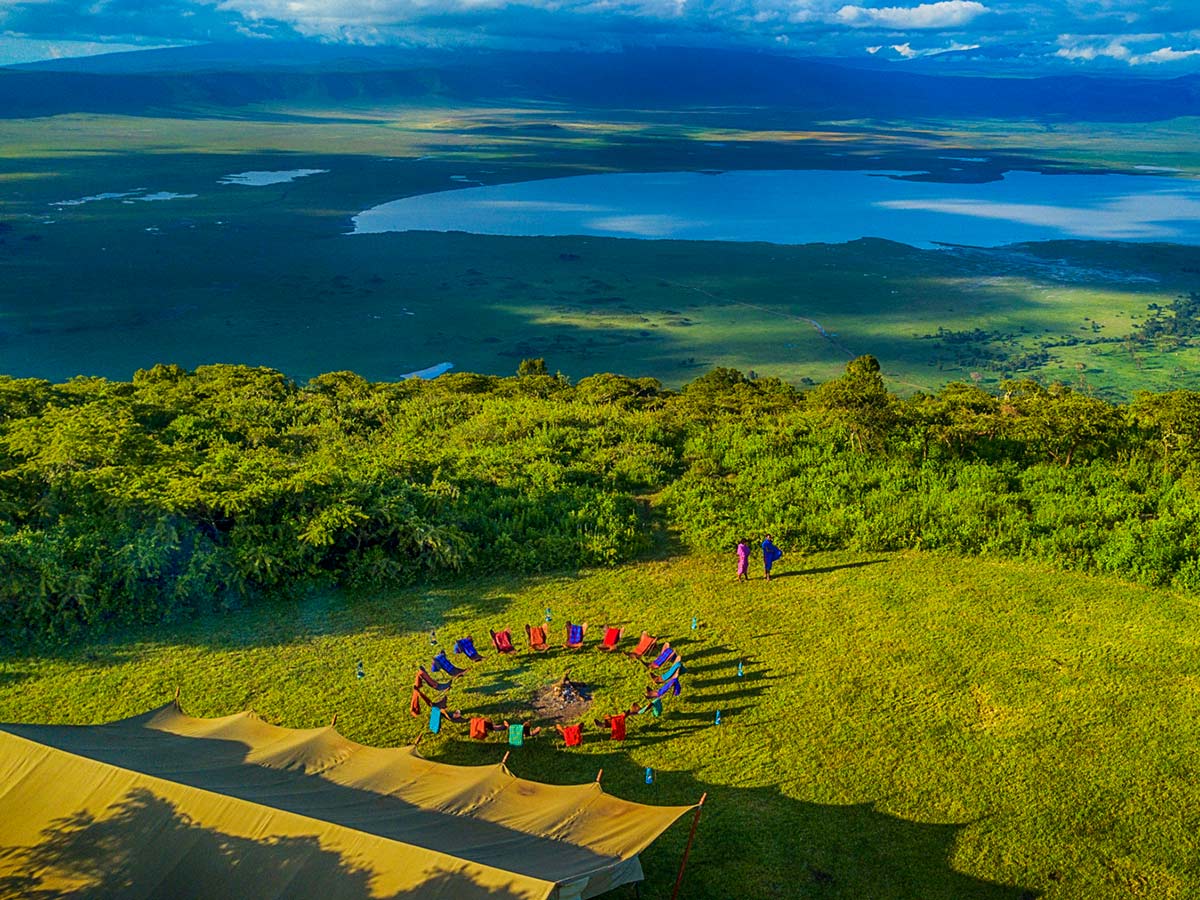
x=268 y=274
x=908 y=726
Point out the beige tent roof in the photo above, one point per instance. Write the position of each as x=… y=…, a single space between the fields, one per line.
x=166 y=805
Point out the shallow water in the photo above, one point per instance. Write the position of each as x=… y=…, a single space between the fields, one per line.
x=798 y=207
x=137 y=194
x=258 y=179
x=430 y=372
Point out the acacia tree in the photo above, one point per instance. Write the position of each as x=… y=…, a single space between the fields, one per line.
x=858 y=403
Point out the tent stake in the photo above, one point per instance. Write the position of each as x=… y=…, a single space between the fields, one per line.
x=333 y=721
x=176 y=695
x=598 y=775
x=505 y=757
x=687 y=849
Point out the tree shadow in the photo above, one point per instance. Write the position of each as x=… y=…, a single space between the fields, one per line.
x=11 y=676
x=822 y=850
x=143 y=845
x=802 y=850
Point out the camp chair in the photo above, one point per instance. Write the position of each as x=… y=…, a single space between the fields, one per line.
x=424 y=678
x=537 y=637
x=643 y=644
x=572 y=734
x=668 y=687
x=502 y=640
x=435 y=719
x=418 y=696
x=664 y=657
x=442 y=662
x=575 y=635
x=676 y=669
x=611 y=636
x=466 y=646
x=654 y=707
x=479 y=728
x=616 y=726
x=516 y=735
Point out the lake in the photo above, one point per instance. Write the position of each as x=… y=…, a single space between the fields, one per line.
x=811 y=206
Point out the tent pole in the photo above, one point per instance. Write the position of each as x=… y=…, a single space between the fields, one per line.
x=177 y=695
x=504 y=759
x=687 y=849
x=598 y=776
x=333 y=721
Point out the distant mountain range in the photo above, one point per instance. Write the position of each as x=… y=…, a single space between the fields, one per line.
x=228 y=76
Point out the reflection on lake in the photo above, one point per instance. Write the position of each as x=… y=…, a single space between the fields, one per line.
x=799 y=207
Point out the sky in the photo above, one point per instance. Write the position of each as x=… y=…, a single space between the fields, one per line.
x=1141 y=36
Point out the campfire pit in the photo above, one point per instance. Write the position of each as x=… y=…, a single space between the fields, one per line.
x=562 y=701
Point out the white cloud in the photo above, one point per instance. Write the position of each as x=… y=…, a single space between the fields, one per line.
x=1113 y=49
x=943 y=14
x=1135 y=216
x=1162 y=55
x=908 y=51
x=1119 y=48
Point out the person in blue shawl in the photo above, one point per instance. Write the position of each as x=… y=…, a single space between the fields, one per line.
x=771 y=555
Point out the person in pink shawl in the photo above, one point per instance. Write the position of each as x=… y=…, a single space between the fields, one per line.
x=743 y=552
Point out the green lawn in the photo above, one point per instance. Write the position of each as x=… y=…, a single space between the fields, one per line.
x=908 y=726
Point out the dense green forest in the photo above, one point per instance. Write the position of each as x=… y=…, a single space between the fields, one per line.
x=181 y=492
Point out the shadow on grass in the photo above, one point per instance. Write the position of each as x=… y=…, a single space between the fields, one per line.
x=798 y=850
x=823 y=569
x=827 y=851
x=8 y=677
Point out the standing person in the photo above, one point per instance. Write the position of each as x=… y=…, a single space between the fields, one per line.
x=771 y=554
x=743 y=553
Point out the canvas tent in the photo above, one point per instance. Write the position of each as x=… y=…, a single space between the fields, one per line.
x=166 y=805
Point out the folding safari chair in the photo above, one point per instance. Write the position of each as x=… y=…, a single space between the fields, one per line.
x=414 y=705
x=502 y=641
x=537 y=637
x=663 y=657
x=616 y=726
x=611 y=636
x=572 y=734
x=424 y=678
x=466 y=646
x=575 y=635
x=676 y=669
x=667 y=687
x=442 y=663
x=644 y=643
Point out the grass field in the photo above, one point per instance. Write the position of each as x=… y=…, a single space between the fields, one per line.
x=268 y=275
x=908 y=726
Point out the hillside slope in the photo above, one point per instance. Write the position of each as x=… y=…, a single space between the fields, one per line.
x=907 y=726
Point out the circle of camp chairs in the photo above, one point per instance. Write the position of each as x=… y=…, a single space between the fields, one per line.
x=665 y=669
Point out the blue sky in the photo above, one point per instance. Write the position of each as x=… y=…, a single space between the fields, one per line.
x=1142 y=36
